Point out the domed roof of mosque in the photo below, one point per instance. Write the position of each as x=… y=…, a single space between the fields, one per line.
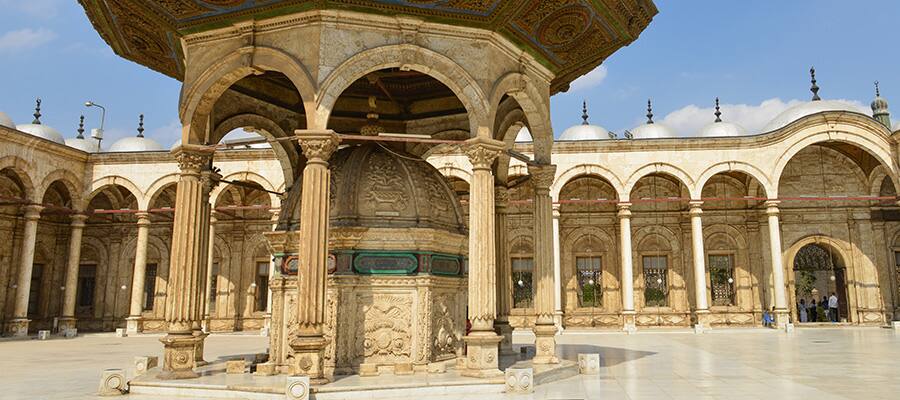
x=808 y=108
x=6 y=121
x=524 y=135
x=719 y=128
x=79 y=142
x=35 y=128
x=137 y=143
x=584 y=130
x=650 y=129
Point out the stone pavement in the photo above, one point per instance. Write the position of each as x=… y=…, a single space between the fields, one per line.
x=810 y=364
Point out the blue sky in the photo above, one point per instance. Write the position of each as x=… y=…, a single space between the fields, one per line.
x=754 y=55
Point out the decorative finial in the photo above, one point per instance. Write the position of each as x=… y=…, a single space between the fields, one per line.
x=649 y=112
x=718 y=113
x=37 y=112
x=814 y=88
x=81 y=127
x=584 y=115
x=140 y=128
x=877 y=90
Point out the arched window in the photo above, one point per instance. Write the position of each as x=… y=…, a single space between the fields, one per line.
x=588 y=253
x=522 y=261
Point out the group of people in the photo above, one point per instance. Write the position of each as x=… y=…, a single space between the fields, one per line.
x=823 y=311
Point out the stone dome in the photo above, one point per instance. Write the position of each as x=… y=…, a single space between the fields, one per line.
x=375 y=187
x=722 y=129
x=6 y=121
x=809 y=108
x=585 y=132
x=652 y=131
x=131 y=144
x=42 y=131
x=86 y=145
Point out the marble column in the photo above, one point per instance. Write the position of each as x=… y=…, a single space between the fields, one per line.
x=628 y=315
x=185 y=283
x=544 y=300
x=309 y=344
x=67 y=320
x=781 y=310
x=276 y=214
x=481 y=342
x=557 y=272
x=701 y=310
x=18 y=326
x=209 y=277
x=139 y=278
x=209 y=179
x=504 y=269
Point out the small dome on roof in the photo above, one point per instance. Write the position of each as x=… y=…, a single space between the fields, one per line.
x=524 y=135
x=719 y=128
x=137 y=143
x=6 y=121
x=651 y=130
x=809 y=108
x=585 y=131
x=35 y=128
x=79 y=142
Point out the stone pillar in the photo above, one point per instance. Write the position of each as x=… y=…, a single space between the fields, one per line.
x=544 y=299
x=309 y=344
x=481 y=342
x=276 y=213
x=67 y=320
x=18 y=326
x=138 y=280
x=209 y=179
x=781 y=310
x=557 y=272
x=185 y=283
x=504 y=269
x=628 y=319
x=701 y=311
x=209 y=262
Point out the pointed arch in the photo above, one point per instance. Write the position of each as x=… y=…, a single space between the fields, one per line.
x=740 y=166
x=659 y=168
x=587 y=170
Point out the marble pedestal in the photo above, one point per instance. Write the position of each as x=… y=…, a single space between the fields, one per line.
x=309 y=358
x=65 y=325
x=18 y=327
x=545 y=344
x=178 y=355
x=482 y=358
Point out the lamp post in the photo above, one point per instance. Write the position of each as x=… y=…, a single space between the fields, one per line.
x=97 y=133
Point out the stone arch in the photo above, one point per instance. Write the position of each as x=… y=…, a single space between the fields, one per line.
x=21 y=167
x=456 y=172
x=247 y=176
x=740 y=166
x=843 y=249
x=876 y=179
x=156 y=188
x=880 y=150
x=265 y=127
x=586 y=170
x=536 y=114
x=406 y=57
x=658 y=168
x=70 y=181
x=609 y=267
x=199 y=97
x=101 y=184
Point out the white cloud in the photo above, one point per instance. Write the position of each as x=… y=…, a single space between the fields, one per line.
x=24 y=39
x=688 y=120
x=167 y=134
x=589 y=80
x=33 y=8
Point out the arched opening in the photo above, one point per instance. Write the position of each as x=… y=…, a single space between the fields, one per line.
x=461 y=188
x=819 y=274
x=588 y=251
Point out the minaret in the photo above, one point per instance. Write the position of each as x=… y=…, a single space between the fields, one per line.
x=880 y=108
x=814 y=88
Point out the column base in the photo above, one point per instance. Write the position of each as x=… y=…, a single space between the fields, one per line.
x=178 y=356
x=701 y=321
x=629 y=323
x=198 y=349
x=782 y=318
x=505 y=331
x=18 y=327
x=482 y=360
x=308 y=359
x=545 y=344
x=134 y=325
x=65 y=325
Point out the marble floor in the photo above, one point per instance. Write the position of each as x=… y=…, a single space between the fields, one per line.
x=809 y=364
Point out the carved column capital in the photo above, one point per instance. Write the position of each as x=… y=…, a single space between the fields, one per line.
x=501 y=198
x=695 y=207
x=143 y=218
x=78 y=220
x=192 y=158
x=482 y=152
x=772 y=207
x=542 y=176
x=209 y=178
x=556 y=212
x=33 y=212
x=624 y=210
x=318 y=145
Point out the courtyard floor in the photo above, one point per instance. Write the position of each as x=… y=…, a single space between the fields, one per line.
x=809 y=364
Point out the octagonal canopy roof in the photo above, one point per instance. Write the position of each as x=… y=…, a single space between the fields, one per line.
x=569 y=37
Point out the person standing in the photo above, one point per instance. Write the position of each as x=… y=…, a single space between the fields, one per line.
x=833 y=307
x=801 y=311
x=813 y=312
